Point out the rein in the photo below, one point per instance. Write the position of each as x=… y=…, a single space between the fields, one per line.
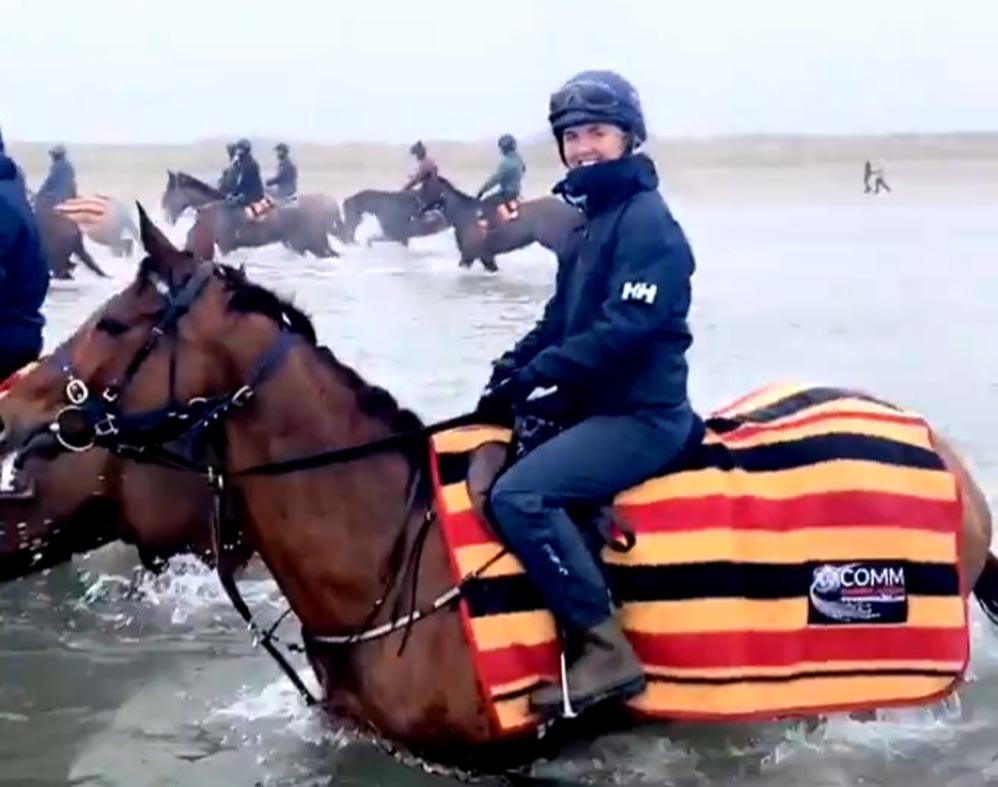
x=128 y=435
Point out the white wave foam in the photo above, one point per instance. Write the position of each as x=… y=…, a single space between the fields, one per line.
x=185 y=588
x=280 y=701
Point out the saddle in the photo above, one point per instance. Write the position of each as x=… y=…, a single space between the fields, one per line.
x=259 y=211
x=504 y=213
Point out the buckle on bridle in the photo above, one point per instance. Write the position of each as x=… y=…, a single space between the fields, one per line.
x=105 y=426
x=60 y=435
x=243 y=395
x=76 y=391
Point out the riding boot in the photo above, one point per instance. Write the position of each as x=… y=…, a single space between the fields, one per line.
x=606 y=669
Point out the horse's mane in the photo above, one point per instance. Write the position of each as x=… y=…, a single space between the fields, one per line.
x=447 y=184
x=247 y=297
x=189 y=180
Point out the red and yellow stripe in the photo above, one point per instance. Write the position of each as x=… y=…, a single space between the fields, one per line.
x=732 y=657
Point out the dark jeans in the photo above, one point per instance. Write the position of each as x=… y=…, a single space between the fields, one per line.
x=587 y=464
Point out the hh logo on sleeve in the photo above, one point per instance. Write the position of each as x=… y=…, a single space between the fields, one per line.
x=639 y=291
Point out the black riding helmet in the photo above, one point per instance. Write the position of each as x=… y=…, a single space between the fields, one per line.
x=597 y=97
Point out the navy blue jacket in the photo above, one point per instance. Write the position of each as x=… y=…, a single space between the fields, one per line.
x=613 y=337
x=60 y=185
x=285 y=179
x=248 y=187
x=24 y=275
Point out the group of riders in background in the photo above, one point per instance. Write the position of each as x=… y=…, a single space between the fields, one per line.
x=248 y=197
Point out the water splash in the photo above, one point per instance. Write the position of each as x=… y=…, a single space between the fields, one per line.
x=185 y=588
x=280 y=701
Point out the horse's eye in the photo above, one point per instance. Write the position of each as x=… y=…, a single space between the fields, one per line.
x=111 y=326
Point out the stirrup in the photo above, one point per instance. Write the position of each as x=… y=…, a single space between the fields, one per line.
x=567 y=711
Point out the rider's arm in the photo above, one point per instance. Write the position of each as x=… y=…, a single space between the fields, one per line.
x=492 y=182
x=51 y=182
x=413 y=181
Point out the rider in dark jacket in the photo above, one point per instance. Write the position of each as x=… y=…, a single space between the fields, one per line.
x=248 y=186
x=227 y=180
x=60 y=184
x=24 y=275
x=604 y=372
x=508 y=176
x=285 y=180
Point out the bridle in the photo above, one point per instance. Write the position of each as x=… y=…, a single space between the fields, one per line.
x=179 y=435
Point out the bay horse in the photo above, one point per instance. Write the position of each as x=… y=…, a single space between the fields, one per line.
x=65 y=503
x=68 y=503
x=288 y=226
x=302 y=225
x=334 y=537
x=399 y=213
x=73 y=503
x=546 y=221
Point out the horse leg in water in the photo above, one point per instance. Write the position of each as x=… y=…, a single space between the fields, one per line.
x=473 y=245
x=318 y=241
x=61 y=269
x=84 y=255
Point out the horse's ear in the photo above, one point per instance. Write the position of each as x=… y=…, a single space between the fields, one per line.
x=171 y=176
x=157 y=245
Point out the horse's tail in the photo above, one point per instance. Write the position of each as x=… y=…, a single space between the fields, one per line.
x=336 y=224
x=986 y=588
x=351 y=218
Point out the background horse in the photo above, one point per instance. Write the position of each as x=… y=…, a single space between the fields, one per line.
x=62 y=241
x=183 y=192
x=343 y=542
x=546 y=221
x=399 y=213
x=104 y=220
x=289 y=226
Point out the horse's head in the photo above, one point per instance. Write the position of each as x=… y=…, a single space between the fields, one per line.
x=182 y=330
x=73 y=503
x=184 y=192
x=173 y=202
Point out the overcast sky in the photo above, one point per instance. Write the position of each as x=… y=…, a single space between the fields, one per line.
x=333 y=70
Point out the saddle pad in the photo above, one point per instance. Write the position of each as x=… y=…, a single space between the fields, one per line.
x=805 y=560
x=505 y=212
x=260 y=210
x=85 y=212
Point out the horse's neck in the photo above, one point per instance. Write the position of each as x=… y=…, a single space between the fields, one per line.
x=199 y=193
x=461 y=206
x=325 y=534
